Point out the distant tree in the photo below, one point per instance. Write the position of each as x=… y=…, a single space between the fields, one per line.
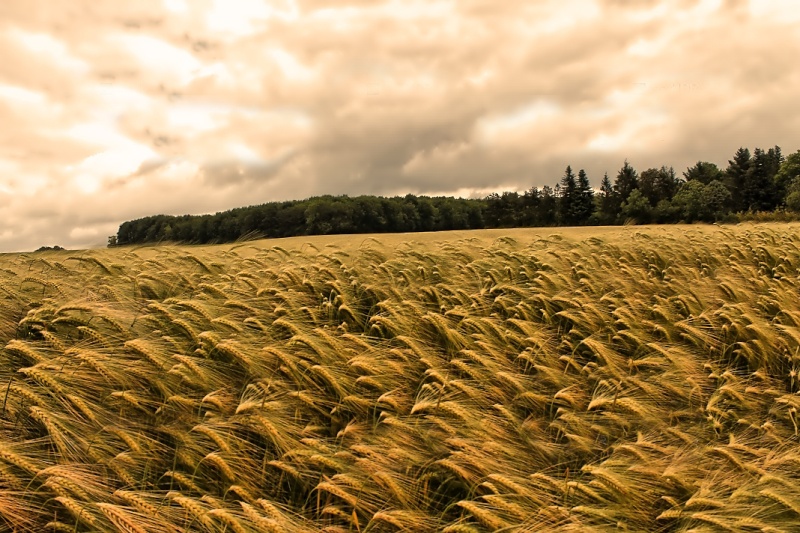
x=493 y=211
x=666 y=212
x=787 y=173
x=688 y=201
x=775 y=160
x=502 y=210
x=758 y=192
x=607 y=207
x=793 y=195
x=658 y=184
x=548 y=207
x=530 y=207
x=637 y=207
x=715 y=199
x=327 y=215
x=568 y=196
x=627 y=180
x=704 y=172
x=112 y=241
x=647 y=185
x=427 y=214
x=583 y=207
x=735 y=177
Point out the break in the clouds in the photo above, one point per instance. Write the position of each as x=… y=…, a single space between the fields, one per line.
x=115 y=110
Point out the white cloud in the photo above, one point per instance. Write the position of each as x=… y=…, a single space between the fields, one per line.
x=175 y=106
x=495 y=128
x=47 y=46
x=160 y=59
x=290 y=67
x=20 y=96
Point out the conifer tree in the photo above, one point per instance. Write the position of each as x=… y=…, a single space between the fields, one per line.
x=584 y=205
x=607 y=203
x=568 y=192
x=627 y=180
x=757 y=190
x=735 y=177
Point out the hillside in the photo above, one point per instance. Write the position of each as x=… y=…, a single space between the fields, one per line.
x=639 y=378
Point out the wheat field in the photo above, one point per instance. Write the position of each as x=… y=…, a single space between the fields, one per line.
x=639 y=379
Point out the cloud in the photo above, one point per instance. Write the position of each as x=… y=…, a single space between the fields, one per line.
x=117 y=110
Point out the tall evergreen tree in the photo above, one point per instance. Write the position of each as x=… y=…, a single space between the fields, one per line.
x=774 y=161
x=584 y=205
x=568 y=193
x=735 y=177
x=607 y=203
x=757 y=190
x=627 y=180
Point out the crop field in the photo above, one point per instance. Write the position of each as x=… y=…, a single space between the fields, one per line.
x=629 y=378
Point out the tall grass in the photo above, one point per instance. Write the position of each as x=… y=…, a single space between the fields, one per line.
x=645 y=380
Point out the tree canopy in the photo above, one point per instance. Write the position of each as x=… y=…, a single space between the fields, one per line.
x=752 y=182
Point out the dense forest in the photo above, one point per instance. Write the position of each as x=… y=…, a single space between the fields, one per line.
x=763 y=181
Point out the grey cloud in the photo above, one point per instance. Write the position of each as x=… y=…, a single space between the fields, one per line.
x=372 y=101
x=238 y=173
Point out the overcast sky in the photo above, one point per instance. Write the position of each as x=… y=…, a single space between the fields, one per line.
x=112 y=110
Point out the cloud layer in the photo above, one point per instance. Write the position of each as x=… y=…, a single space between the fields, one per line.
x=116 y=110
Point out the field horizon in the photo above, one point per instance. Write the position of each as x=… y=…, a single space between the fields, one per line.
x=640 y=378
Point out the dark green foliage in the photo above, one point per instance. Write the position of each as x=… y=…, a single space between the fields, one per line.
x=698 y=202
x=787 y=173
x=637 y=207
x=688 y=201
x=607 y=204
x=584 y=203
x=627 y=180
x=316 y=216
x=736 y=175
x=793 y=195
x=750 y=184
x=548 y=207
x=716 y=200
x=704 y=172
x=502 y=210
x=659 y=184
x=568 y=196
x=758 y=192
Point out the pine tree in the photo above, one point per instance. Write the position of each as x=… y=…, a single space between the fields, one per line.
x=607 y=203
x=568 y=197
x=757 y=190
x=627 y=180
x=584 y=205
x=735 y=177
x=774 y=161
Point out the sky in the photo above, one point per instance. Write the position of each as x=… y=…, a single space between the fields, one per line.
x=113 y=110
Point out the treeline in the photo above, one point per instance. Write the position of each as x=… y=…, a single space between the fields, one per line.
x=763 y=181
